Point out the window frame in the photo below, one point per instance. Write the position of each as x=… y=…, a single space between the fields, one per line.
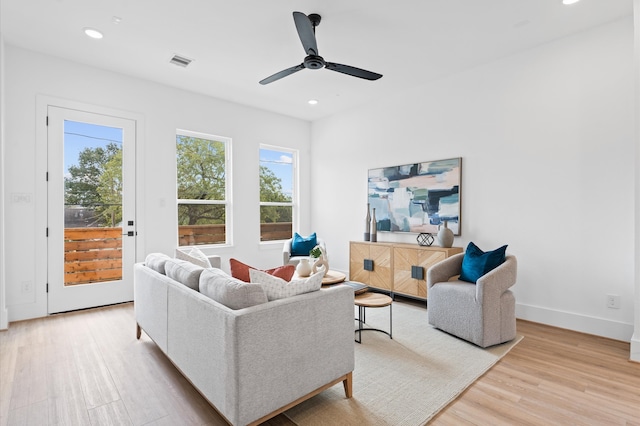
x=294 y=204
x=227 y=202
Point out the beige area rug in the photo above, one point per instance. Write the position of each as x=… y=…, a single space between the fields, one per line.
x=404 y=381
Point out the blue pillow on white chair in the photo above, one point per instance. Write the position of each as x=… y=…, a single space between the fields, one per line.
x=291 y=256
x=301 y=246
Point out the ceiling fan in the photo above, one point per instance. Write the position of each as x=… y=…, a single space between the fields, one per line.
x=306 y=26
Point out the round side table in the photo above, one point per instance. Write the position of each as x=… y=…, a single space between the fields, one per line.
x=372 y=300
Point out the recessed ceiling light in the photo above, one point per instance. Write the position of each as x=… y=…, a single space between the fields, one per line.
x=92 y=32
x=313 y=101
x=570 y=1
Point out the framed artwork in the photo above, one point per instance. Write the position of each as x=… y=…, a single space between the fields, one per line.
x=417 y=197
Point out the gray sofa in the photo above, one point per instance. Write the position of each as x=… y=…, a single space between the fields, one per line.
x=252 y=363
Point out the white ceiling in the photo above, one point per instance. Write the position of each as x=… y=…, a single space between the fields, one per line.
x=235 y=44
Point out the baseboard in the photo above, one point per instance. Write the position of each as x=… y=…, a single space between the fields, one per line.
x=635 y=348
x=577 y=322
x=4 y=319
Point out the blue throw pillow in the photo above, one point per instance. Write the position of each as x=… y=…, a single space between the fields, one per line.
x=301 y=246
x=476 y=262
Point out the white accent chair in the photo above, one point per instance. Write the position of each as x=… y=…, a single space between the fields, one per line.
x=287 y=259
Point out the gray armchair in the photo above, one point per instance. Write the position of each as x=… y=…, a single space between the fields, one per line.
x=294 y=260
x=481 y=313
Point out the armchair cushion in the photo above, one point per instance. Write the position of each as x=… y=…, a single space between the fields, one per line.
x=301 y=246
x=477 y=263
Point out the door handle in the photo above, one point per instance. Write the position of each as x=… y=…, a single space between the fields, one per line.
x=131 y=233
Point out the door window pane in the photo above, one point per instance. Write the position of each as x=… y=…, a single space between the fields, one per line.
x=92 y=203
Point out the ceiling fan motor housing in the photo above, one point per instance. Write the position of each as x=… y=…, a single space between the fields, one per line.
x=306 y=27
x=314 y=62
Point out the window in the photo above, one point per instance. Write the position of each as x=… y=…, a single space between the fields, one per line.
x=203 y=166
x=277 y=192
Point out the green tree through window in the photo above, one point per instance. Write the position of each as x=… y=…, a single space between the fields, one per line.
x=95 y=182
x=202 y=188
x=277 y=167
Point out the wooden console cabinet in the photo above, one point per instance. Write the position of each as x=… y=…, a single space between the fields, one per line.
x=395 y=267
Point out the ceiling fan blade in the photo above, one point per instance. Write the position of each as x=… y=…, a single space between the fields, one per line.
x=349 y=70
x=306 y=33
x=281 y=74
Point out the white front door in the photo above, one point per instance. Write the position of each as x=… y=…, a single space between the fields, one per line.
x=91 y=209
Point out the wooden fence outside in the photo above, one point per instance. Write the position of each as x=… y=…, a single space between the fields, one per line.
x=192 y=235
x=275 y=231
x=95 y=254
x=92 y=255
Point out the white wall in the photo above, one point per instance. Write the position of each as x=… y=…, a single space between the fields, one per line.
x=3 y=311
x=31 y=75
x=547 y=142
x=635 y=339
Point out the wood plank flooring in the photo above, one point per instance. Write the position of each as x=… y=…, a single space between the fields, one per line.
x=86 y=368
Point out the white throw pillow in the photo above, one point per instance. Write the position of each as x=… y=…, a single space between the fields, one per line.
x=277 y=288
x=229 y=291
x=194 y=255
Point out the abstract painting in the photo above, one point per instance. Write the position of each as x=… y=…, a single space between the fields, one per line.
x=417 y=197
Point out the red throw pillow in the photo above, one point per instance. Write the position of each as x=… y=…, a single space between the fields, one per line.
x=240 y=271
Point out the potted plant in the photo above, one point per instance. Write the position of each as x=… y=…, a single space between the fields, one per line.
x=316 y=252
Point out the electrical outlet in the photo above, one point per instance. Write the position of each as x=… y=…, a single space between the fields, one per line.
x=26 y=287
x=613 y=301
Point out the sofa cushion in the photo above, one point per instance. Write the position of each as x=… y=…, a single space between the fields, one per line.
x=301 y=246
x=476 y=262
x=240 y=271
x=184 y=272
x=229 y=291
x=193 y=255
x=156 y=261
x=277 y=288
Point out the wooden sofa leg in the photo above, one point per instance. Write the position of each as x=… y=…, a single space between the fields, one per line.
x=348 y=385
x=138 y=331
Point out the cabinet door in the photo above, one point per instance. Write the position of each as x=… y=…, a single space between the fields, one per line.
x=380 y=276
x=357 y=254
x=427 y=259
x=403 y=261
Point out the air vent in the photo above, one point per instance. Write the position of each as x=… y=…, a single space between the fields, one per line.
x=180 y=61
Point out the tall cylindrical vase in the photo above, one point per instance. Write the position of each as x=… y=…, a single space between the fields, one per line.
x=374 y=226
x=367 y=225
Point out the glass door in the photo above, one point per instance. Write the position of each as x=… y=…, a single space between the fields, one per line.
x=91 y=209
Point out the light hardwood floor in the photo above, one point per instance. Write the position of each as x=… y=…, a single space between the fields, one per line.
x=86 y=368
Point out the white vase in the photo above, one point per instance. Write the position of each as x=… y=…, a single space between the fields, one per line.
x=304 y=268
x=445 y=236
